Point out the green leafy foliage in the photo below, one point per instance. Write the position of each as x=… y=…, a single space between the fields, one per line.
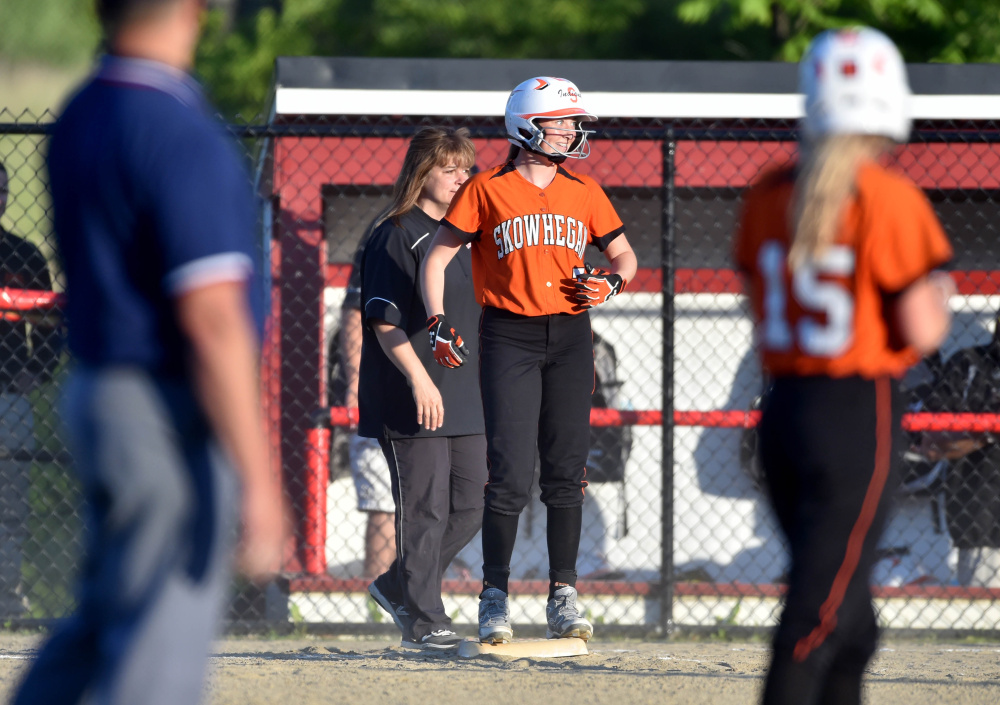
x=237 y=64
x=471 y=28
x=55 y=32
x=971 y=32
x=243 y=37
x=955 y=31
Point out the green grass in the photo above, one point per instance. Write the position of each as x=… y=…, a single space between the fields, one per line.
x=54 y=544
x=299 y=628
x=55 y=525
x=374 y=611
x=728 y=621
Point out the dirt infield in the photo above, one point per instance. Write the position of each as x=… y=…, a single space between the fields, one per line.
x=247 y=671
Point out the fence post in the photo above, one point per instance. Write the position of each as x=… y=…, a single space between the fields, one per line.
x=317 y=476
x=669 y=149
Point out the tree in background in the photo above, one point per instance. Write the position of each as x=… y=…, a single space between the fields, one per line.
x=238 y=64
x=237 y=55
x=54 y=32
x=952 y=31
x=243 y=37
x=971 y=32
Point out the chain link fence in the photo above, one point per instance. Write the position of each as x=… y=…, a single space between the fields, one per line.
x=40 y=523
x=677 y=533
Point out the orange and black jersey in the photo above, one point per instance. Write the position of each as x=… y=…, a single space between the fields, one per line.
x=527 y=240
x=833 y=316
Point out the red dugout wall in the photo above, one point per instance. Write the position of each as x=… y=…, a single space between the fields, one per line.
x=331 y=170
x=306 y=167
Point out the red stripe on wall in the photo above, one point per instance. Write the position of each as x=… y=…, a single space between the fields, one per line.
x=648 y=280
x=600 y=417
x=326 y=583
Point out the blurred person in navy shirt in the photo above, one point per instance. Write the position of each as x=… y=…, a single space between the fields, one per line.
x=154 y=218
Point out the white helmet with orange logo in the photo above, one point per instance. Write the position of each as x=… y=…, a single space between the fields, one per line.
x=854 y=81
x=544 y=98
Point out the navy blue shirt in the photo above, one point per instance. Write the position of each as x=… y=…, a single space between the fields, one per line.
x=390 y=292
x=150 y=200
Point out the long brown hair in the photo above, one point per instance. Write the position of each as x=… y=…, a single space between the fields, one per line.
x=430 y=147
x=826 y=180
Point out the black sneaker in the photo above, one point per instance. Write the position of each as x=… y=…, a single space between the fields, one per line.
x=396 y=610
x=439 y=639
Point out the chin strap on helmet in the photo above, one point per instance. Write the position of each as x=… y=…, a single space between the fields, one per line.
x=546 y=98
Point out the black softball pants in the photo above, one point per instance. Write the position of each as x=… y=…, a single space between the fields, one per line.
x=437 y=485
x=830 y=451
x=537 y=376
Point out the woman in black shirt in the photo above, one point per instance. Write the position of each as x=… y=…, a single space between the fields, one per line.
x=437 y=463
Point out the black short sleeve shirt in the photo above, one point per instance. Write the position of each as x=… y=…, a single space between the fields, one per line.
x=352 y=294
x=390 y=291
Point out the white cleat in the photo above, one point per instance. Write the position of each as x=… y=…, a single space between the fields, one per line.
x=494 y=617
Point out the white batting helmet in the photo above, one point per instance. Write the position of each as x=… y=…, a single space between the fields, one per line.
x=544 y=98
x=854 y=82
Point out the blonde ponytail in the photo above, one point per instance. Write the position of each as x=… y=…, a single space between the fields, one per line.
x=826 y=181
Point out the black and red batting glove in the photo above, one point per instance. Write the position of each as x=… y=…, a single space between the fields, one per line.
x=596 y=286
x=448 y=346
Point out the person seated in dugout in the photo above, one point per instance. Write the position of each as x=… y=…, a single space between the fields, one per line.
x=969 y=382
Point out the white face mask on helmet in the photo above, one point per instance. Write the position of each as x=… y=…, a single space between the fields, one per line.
x=854 y=81
x=546 y=98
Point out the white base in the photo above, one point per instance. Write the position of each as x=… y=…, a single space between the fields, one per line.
x=525 y=648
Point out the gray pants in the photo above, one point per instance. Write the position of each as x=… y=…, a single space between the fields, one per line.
x=161 y=502
x=437 y=484
x=16 y=433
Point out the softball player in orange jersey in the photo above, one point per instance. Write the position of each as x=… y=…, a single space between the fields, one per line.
x=838 y=255
x=529 y=222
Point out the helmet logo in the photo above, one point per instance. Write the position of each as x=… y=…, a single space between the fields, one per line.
x=848 y=68
x=542 y=98
x=569 y=93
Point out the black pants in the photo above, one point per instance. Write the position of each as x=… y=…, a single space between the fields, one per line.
x=537 y=376
x=830 y=450
x=437 y=485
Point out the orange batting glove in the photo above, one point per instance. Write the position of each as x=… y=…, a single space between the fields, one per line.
x=596 y=286
x=449 y=348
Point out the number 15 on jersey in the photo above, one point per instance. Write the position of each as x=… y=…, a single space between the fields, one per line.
x=825 y=328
